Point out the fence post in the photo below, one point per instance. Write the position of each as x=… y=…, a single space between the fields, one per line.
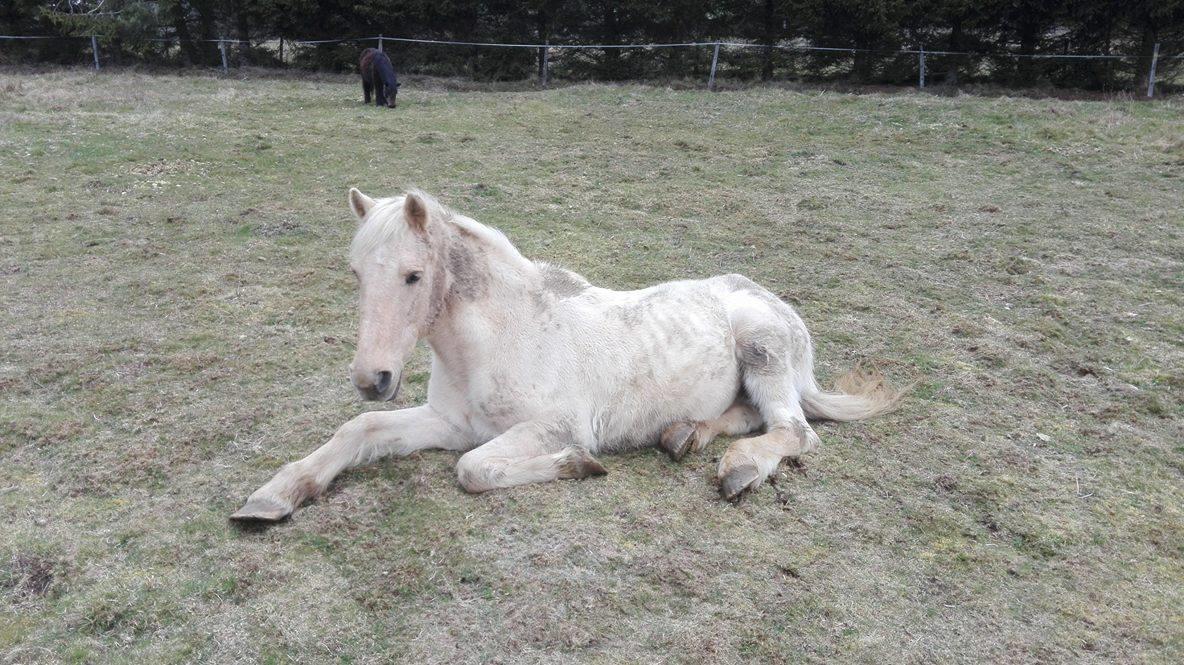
x=94 y=47
x=546 y=78
x=1151 y=74
x=921 y=68
x=380 y=43
x=714 y=63
x=222 y=48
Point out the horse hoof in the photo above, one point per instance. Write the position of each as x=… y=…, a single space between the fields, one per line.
x=739 y=480
x=262 y=509
x=677 y=439
x=580 y=464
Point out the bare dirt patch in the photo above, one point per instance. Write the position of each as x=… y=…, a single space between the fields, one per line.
x=27 y=576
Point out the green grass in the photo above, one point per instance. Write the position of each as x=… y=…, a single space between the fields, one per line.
x=178 y=317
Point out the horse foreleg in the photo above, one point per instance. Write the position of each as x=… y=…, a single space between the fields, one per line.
x=361 y=440
x=366 y=87
x=531 y=452
x=682 y=437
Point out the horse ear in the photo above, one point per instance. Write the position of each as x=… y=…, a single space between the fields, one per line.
x=359 y=203
x=415 y=211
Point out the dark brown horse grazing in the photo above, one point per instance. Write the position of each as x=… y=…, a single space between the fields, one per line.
x=378 y=74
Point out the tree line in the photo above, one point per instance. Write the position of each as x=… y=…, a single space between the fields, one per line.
x=993 y=32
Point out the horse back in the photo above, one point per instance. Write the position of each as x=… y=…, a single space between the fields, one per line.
x=384 y=70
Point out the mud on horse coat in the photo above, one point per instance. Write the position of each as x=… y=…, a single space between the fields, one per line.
x=378 y=74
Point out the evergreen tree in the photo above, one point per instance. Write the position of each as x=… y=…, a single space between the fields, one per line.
x=873 y=29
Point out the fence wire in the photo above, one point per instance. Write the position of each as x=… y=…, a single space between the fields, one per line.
x=821 y=62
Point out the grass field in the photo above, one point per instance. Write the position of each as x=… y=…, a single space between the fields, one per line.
x=178 y=316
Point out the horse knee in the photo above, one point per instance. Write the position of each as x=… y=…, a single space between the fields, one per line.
x=474 y=472
x=361 y=426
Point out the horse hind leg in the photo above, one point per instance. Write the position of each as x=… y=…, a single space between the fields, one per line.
x=772 y=353
x=683 y=437
x=748 y=462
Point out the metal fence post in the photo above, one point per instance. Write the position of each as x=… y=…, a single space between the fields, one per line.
x=380 y=43
x=222 y=48
x=921 y=67
x=546 y=78
x=1151 y=74
x=714 y=64
x=94 y=47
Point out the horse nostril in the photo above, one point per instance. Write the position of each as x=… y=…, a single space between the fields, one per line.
x=382 y=381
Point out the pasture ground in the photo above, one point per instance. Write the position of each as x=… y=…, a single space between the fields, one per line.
x=178 y=317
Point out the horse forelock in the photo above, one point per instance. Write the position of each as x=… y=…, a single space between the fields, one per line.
x=384 y=225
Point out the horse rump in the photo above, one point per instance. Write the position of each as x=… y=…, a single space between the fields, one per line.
x=366 y=67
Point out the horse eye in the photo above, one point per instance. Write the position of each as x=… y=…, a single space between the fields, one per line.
x=413 y=278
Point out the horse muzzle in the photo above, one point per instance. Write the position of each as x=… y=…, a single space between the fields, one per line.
x=380 y=386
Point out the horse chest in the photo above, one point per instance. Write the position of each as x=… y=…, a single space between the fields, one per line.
x=497 y=402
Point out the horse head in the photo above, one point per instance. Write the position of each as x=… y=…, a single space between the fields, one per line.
x=397 y=256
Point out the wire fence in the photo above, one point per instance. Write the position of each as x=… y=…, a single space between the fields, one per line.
x=826 y=62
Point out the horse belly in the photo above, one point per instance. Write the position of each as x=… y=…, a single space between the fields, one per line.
x=682 y=367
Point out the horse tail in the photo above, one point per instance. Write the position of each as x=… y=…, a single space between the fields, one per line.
x=862 y=393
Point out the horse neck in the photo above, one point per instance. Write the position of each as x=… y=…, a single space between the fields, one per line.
x=489 y=289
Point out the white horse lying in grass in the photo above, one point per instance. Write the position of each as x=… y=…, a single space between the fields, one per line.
x=534 y=370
